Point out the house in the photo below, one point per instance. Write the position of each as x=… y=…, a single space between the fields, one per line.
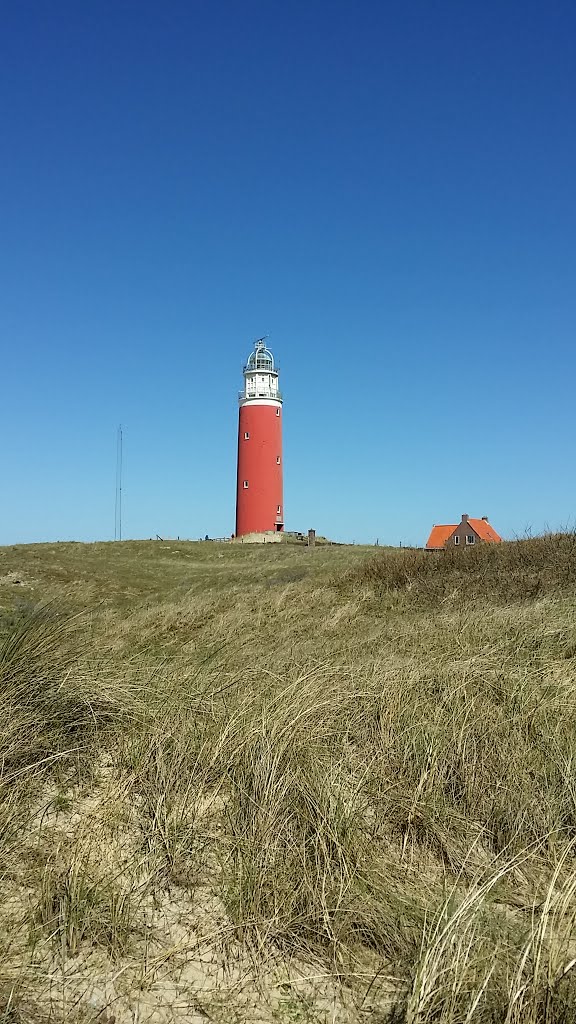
x=468 y=531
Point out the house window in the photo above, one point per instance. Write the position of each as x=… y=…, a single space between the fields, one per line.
x=246 y=435
x=470 y=538
x=245 y=484
x=277 y=460
x=456 y=539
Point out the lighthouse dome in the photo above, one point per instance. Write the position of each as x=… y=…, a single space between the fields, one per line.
x=260 y=375
x=261 y=358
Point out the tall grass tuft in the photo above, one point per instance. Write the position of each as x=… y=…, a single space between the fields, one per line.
x=50 y=700
x=54 y=705
x=82 y=900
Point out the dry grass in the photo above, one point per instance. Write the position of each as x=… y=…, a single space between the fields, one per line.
x=515 y=571
x=248 y=785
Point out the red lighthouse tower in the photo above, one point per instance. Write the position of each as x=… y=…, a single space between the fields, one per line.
x=259 y=502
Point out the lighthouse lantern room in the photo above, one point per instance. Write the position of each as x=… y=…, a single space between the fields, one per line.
x=259 y=499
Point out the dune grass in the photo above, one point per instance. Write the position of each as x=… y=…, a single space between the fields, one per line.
x=519 y=570
x=288 y=785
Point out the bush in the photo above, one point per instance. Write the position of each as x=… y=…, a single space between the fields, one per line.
x=514 y=570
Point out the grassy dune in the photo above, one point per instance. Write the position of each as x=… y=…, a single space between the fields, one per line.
x=288 y=785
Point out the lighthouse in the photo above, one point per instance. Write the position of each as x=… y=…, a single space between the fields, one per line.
x=259 y=501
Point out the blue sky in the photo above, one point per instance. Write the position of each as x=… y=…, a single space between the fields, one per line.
x=387 y=189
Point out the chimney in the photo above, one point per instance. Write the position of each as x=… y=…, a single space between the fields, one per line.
x=484 y=519
x=464 y=518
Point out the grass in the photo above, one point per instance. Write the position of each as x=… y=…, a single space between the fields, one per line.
x=278 y=784
x=81 y=901
x=518 y=570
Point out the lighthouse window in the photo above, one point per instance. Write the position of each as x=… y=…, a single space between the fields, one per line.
x=246 y=435
x=277 y=460
x=245 y=484
x=277 y=412
x=278 y=508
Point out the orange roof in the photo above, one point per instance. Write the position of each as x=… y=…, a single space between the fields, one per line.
x=485 y=531
x=481 y=527
x=439 y=536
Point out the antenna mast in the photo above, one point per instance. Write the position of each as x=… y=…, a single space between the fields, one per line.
x=118 y=498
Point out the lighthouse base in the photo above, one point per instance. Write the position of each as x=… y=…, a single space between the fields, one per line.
x=266 y=537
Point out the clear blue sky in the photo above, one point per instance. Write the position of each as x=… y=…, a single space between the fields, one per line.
x=386 y=188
